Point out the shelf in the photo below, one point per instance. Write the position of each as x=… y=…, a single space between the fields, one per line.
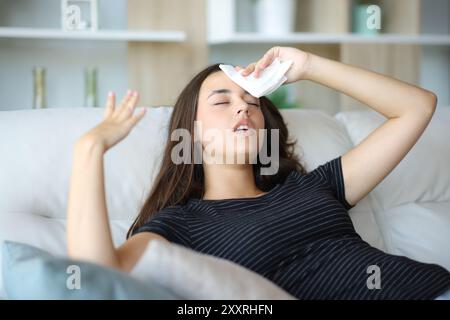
x=110 y=35
x=325 y=38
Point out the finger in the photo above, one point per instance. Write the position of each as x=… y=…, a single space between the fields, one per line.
x=257 y=71
x=264 y=62
x=137 y=117
x=124 y=104
x=267 y=59
x=237 y=68
x=133 y=101
x=130 y=105
x=125 y=99
x=110 y=103
x=249 y=69
x=261 y=65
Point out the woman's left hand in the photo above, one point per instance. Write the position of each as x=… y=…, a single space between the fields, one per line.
x=298 y=71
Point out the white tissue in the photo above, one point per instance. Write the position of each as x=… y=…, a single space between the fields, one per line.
x=269 y=80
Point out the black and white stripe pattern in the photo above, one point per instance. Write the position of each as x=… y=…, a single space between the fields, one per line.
x=300 y=236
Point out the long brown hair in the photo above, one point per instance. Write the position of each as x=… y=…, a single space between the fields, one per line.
x=176 y=183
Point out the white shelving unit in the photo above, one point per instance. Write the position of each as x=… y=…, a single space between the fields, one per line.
x=328 y=38
x=229 y=22
x=109 y=35
x=31 y=36
x=324 y=26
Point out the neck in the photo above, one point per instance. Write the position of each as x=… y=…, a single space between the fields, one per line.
x=229 y=182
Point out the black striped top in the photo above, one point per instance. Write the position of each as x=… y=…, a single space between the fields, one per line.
x=300 y=236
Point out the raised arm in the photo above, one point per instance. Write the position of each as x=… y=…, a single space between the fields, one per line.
x=408 y=109
x=88 y=231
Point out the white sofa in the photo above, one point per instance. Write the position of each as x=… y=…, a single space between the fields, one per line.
x=407 y=214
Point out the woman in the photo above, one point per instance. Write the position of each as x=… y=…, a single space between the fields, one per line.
x=292 y=227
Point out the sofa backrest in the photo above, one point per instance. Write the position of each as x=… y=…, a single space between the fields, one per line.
x=37 y=149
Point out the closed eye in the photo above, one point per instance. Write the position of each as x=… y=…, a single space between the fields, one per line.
x=255 y=104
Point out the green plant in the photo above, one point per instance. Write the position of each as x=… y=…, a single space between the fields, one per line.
x=367 y=2
x=280 y=98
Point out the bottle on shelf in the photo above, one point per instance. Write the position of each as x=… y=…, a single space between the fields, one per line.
x=90 y=87
x=39 y=88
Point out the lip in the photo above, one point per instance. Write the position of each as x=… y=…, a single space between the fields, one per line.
x=245 y=122
x=249 y=132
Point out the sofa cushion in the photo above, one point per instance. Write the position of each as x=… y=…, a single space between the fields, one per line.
x=197 y=276
x=420 y=175
x=45 y=233
x=319 y=136
x=419 y=230
x=32 y=273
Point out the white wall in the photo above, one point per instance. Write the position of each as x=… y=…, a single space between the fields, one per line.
x=64 y=60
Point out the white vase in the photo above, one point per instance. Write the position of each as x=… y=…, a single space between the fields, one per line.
x=275 y=17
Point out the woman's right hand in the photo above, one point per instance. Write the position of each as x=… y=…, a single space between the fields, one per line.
x=298 y=71
x=117 y=121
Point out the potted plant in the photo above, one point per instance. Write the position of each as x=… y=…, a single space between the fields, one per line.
x=280 y=98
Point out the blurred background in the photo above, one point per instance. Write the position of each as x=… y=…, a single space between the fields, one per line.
x=63 y=53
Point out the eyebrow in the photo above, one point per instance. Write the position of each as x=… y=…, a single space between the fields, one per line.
x=226 y=91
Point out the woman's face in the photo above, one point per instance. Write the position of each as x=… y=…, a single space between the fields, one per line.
x=222 y=107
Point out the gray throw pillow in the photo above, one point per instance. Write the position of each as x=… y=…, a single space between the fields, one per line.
x=32 y=273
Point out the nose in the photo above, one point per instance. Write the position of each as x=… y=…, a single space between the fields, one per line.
x=242 y=107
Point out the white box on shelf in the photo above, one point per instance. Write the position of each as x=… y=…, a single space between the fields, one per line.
x=71 y=15
x=275 y=17
x=221 y=19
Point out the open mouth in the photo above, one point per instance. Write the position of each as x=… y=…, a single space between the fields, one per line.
x=242 y=127
x=244 y=130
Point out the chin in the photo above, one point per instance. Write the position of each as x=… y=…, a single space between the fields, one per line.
x=245 y=155
x=236 y=149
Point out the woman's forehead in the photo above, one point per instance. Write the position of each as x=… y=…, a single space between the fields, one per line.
x=220 y=81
